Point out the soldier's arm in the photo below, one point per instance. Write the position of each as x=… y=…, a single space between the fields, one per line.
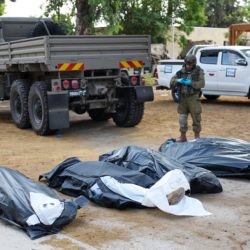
x=173 y=82
x=200 y=83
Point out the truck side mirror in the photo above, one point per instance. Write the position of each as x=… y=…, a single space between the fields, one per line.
x=241 y=62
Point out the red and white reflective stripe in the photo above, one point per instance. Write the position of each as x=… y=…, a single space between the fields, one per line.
x=70 y=66
x=131 y=64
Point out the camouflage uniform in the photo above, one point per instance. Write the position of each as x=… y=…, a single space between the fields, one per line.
x=189 y=97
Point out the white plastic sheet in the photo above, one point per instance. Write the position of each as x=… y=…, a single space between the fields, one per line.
x=46 y=209
x=156 y=196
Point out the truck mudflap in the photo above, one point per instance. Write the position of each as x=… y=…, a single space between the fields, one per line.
x=144 y=93
x=58 y=105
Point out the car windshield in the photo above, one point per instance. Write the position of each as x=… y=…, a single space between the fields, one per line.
x=246 y=52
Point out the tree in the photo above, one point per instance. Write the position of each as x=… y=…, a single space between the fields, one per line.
x=134 y=16
x=155 y=17
x=2 y=6
x=90 y=12
x=144 y=17
x=140 y=16
x=84 y=11
x=53 y=8
x=245 y=10
x=222 y=13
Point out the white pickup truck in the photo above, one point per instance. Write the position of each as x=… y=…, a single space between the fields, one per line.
x=227 y=71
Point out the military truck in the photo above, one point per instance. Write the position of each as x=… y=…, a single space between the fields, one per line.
x=45 y=73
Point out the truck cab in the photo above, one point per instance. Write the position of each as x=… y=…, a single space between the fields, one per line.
x=226 y=70
x=16 y=28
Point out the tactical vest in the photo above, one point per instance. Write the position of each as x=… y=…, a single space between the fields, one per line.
x=193 y=75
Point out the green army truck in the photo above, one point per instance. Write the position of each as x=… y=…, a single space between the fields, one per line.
x=45 y=73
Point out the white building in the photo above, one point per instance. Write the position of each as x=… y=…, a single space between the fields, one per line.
x=215 y=35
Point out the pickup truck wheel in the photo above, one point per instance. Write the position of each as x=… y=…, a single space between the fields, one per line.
x=98 y=115
x=211 y=97
x=175 y=94
x=38 y=108
x=129 y=112
x=19 y=103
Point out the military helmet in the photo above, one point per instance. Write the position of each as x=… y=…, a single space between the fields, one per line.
x=191 y=59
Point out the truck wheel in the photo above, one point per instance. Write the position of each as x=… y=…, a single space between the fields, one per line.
x=54 y=29
x=98 y=115
x=19 y=103
x=211 y=97
x=129 y=112
x=38 y=108
x=125 y=78
x=175 y=94
x=79 y=109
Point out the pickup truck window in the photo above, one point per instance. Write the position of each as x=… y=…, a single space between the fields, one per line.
x=246 y=52
x=209 y=57
x=230 y=57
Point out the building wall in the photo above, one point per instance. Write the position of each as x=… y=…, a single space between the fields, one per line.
x=215 y=35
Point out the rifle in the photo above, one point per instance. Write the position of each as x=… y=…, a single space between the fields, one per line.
x=179 y=88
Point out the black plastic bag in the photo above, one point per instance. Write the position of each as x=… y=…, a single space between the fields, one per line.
x=155 y=165
x=224 y=157
x=18 y=196
x=74 y=177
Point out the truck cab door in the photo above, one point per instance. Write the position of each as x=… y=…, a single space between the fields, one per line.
x=232 y=74
x=208 y=61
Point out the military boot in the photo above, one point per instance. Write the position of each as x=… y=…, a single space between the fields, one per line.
x=182 y=138
x=196 y=135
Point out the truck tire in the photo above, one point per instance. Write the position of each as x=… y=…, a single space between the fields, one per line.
x=19 y=103
x=38 y=108
x=129 y=112
x=175 y=94
x=211 y=97
x=79 y=109
x=98 y=115
x=125 y=78
x=54 y=29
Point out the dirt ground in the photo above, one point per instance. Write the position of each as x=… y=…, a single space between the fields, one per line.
x=100 y=228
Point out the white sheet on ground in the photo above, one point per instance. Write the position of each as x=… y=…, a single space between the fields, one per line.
x=156 y=196
x=46 y=209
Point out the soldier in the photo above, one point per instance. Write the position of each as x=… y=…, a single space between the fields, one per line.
x=189 y=81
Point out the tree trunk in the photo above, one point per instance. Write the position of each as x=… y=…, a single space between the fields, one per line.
x=83 y=17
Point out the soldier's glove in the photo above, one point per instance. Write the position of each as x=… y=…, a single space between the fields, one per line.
x=184 y=81
x=187 y=82
x=180 y=81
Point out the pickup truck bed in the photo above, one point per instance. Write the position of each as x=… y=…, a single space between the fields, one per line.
x=165 y=70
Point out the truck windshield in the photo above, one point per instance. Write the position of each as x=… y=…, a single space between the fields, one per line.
x=246 y=52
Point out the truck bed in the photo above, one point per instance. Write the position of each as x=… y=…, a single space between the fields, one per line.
x=95 y=52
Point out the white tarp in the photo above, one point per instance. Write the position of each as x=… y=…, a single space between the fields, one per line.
x=156 y=196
